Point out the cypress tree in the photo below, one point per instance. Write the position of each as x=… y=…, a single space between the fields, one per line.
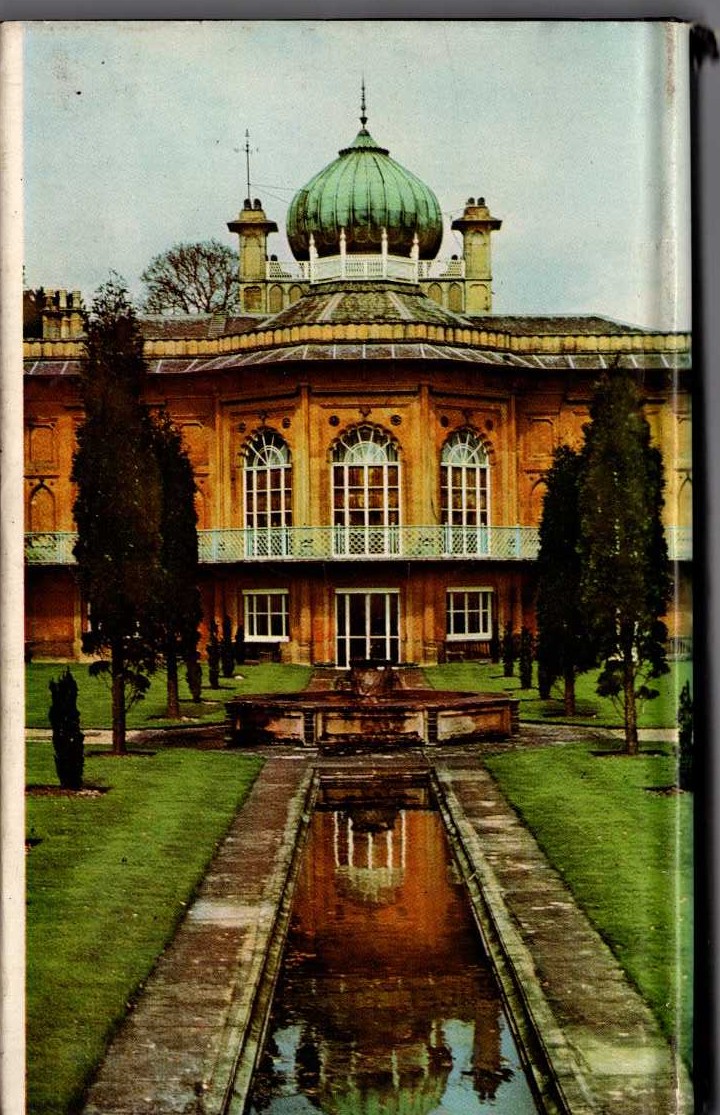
x=625 y=580
x=686 y=772
x=66 y=734
x=118 y=505
x=193 y=675
x=526 y=658
x=227 y=648
x=565 y=647
x=508 y=651
x=179 y=609
x=213 y=656
x=239 y=649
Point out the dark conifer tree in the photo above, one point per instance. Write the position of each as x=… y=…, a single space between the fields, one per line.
x=213 y=656
x=509 y=650
x=118 y=504
x=227 y=648
x=240 y=645
x=526 y=658
x=625 y=580
x=686 y=772
x=66 y=734
x=179 y=608
x=565 y=647
x=193 y=675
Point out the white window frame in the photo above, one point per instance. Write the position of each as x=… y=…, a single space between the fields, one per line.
x=251 y=615
x=485 y=633
x=258 y=463
x=344 y=593
x=354 y=449
x=475 y=478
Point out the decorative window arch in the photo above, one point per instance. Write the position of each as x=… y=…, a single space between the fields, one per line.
x=455 y=299
x=267 y=470
x=537 y=498
x=41 y=509
x=684 y=503
x=465 y=496
x=275 y=299
x=366 y=491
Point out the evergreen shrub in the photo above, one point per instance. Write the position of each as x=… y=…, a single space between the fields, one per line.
x=508 y=651
x=213 y=656
x=66 y=735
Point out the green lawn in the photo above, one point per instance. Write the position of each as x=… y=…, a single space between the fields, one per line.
x=591 y=709
x=94 y=694
x=625 y=853
x=107 y=885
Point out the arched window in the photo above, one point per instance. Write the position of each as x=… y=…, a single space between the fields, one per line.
x=268 y=494
x=465 y=493
x=455 y=300
x=42 y=510
x=275 y=299
x=366 y=492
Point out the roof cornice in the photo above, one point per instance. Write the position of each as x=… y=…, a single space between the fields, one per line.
x=405 y=332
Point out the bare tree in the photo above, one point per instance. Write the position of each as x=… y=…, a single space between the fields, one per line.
x=192 y=278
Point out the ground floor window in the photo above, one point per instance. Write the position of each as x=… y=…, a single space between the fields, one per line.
x=266 y=615
x=367 y=626
x=469 y=613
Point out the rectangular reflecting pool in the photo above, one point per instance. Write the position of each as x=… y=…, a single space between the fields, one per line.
x=385 y=1001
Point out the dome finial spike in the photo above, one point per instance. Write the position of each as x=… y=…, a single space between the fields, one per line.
x=363 y=116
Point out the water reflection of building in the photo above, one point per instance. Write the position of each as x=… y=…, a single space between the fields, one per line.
x=369 y=857
x=385 y=992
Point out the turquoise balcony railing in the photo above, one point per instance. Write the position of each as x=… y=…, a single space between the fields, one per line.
x=411 y=543
x=328 y=543
x=50 y=547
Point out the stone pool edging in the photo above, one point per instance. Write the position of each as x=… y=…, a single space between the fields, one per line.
x=601 y=1044
x=192 y=1043
x=194 y=1028
x=246 y=1028
x=558 y=1085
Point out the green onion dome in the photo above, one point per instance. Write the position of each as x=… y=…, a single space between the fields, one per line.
x=363 y=192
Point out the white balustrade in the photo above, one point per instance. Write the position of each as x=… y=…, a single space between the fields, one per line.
x=357 y=267
x=323 y=543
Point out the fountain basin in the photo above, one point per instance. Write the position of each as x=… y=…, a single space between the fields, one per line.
x=337 y=721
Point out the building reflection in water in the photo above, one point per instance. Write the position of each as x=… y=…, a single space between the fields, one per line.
x=386 y=1002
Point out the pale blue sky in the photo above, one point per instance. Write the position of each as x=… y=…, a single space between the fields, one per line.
x=575 y=133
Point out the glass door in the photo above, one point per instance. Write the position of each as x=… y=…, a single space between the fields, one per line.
x=367 y=626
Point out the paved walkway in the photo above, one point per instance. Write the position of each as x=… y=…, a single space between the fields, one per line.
x=177 y=1049
x=607 y=1050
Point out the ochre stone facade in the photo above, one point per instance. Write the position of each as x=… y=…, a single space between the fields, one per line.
x=520 y=415
x=369 y=441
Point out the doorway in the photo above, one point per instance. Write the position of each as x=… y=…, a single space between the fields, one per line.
x=367 y=623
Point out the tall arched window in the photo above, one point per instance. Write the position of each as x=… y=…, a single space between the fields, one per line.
x=366 y=492
x=268 y=495
x=465 y=493
x=42 y=509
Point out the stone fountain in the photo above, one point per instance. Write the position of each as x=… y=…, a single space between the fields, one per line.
x=369 y=710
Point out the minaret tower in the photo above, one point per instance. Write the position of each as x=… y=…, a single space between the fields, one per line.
x=252 y=227
x=476 y=226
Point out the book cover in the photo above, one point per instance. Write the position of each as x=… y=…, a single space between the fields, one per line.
x=357 y=497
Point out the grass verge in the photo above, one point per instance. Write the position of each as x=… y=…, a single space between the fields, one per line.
x=591 y=709
x=95 y=705
x=626 y=854
x=107 y=883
